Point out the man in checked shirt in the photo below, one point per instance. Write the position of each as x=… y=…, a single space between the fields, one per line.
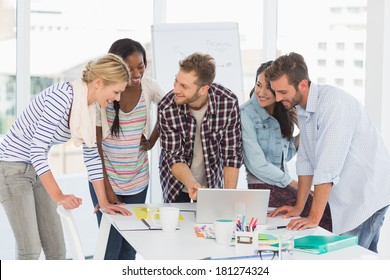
x=200 y=132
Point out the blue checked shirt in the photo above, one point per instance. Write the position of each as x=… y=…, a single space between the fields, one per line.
x=340 y=144
x=220 y=135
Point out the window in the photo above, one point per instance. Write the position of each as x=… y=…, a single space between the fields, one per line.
x=321 y=62
x=339 y=82
x=356 y=10
x=358 y=63
x=336 y=10
x=322 y=46
x=358 y=82
x=58 y=29
x=335 y=39
x=321 y=81
x=359 y=46
x=10 y=86
x=339 y=63
x=8 y=64
x=340 y=46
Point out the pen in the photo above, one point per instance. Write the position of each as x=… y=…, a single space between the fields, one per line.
x=275 y=227
x=250 y=225
x=255 y=223
x=146 y=223
x=238 y=224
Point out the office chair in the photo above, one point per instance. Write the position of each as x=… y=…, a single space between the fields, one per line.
x=71 y=230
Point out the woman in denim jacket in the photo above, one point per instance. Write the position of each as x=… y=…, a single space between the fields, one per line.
x=268 y=144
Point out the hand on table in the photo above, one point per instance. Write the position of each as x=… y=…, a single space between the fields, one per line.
x=302 y=223
x=287 y=211
x=113 y=209
x=294 y=224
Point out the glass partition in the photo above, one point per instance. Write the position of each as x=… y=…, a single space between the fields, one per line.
x=65 y=38
x=331 y=35
x=7 y=64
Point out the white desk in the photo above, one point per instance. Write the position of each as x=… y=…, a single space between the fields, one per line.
x=184 y=245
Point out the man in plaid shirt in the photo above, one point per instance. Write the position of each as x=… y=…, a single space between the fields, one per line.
x=200 y=132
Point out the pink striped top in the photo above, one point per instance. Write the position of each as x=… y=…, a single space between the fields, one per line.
x=126 y=165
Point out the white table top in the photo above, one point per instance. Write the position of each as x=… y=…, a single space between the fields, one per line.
x=183 y=244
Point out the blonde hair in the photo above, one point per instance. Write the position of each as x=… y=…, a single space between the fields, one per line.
x=110 y=68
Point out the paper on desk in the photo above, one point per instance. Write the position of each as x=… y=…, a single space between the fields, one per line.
x=204 y=231
x=147 y=213
x=266 y=239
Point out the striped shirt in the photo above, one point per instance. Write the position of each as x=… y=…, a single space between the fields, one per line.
x=220 y=136
x=340 y=144
x=126 y=164
x=44 y=123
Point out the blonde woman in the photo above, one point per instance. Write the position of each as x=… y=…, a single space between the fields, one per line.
x=29 y=192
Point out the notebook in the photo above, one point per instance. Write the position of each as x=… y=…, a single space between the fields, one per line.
x=215 y=204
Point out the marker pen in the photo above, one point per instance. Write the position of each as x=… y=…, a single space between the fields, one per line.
x=275 y=227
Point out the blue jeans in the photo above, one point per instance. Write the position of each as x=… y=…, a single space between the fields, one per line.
x=368 y=232
x=117 y=246
x=31 y=213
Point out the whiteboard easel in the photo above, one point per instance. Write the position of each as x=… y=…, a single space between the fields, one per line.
x=173 y=42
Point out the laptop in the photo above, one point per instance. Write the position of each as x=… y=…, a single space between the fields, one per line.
x=215 y=204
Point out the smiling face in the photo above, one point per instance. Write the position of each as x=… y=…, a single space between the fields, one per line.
x=188 y=92
x=106 y=94
x=288 y=95
x=264 y=95
x=136 y=64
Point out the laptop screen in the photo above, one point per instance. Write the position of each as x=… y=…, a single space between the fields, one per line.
x=215 y=204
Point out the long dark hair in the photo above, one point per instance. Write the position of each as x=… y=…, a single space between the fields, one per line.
x=124 y=48
x=281 y=114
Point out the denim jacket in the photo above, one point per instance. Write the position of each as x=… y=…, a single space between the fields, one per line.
x=264 y=148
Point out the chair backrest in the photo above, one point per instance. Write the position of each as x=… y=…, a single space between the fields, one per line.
x=71 y=230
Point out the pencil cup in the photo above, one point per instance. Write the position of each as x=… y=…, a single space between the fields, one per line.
x=246 y=242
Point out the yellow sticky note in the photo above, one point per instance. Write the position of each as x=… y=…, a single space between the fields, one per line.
x=148 y=213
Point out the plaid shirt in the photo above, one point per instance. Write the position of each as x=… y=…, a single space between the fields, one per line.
x=220 y=136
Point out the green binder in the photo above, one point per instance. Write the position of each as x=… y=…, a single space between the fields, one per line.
x=318 y=244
